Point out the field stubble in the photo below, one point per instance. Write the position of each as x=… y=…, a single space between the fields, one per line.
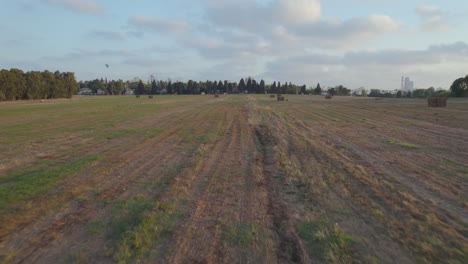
x=235 y=179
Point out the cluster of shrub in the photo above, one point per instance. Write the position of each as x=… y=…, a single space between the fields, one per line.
x=18 y=85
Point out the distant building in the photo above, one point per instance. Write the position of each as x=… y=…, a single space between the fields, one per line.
x=407 y=84
x=85 y=91
x=128 y=91
x=136 y=79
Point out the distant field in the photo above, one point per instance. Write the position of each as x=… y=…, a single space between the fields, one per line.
x=235 y=179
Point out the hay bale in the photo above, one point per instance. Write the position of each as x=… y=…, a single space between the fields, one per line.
x=437 y=101
x=137 y=96
x=150 y=97
x=216 y=95
x=280 y=98
x=328 y=97
x=272 y=96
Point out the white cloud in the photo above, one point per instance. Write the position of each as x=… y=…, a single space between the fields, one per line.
x=297 y=11
x=435 y=23
x=160 y=24
x=428 y=10
x=433 y=19
x=291 y=22
x=106 y=34
x=335 y=33
x=80 y=6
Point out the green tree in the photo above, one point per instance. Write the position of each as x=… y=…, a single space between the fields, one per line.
x=242 y=86
x=96 y=85
x=375 y=93
x=140 y=88
x=220 y=87
x=398 y=94
x=318 y=90
x=303 y=89
x=262 y=87
x=154 y=87
x=273 y=88
x=459 y=87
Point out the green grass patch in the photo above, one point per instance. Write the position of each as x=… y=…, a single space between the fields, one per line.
x=137 y=224
x=29 y=183
x=241 y=235
x=404 y=145
x=126 y=215
x=325 y=241
x=95 y=227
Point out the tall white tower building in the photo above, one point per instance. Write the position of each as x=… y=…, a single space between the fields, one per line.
x=407 y=84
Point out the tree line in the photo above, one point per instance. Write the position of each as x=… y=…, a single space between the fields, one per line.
x=249 y=85
x=18 y=85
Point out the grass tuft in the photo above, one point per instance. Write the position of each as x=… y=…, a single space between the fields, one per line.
x=325 y=241
x=404 y=145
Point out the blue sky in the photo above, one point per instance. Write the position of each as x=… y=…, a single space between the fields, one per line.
x=369 y=43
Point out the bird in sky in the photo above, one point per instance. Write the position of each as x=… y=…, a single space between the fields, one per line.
x=107 y=65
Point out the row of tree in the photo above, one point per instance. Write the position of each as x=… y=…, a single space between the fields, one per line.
x=18 y=85
x=249 y=85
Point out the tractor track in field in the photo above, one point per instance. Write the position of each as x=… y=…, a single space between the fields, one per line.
x=204 y=238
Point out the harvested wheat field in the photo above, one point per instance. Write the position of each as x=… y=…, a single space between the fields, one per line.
x=234 y=179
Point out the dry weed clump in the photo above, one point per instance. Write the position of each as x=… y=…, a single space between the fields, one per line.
x=150 y=97
x=280 y=98
x=216 y=95
x=328 y=97
x=137 y=96
x=272 y=96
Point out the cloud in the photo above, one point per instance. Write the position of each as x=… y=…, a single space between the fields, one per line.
x=391 y=57
x=433 y=19
x=297 y=11
x=159 y=24
x=291 y=22
x=253 y=16
x=79 y=6
x=145 y=62
x=434 y=24
x=359 y=65
x=86 y=53
x=428 y=10
x=335 y=33
x=106 y=34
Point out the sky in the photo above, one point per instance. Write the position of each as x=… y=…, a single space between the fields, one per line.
x=355 y=43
